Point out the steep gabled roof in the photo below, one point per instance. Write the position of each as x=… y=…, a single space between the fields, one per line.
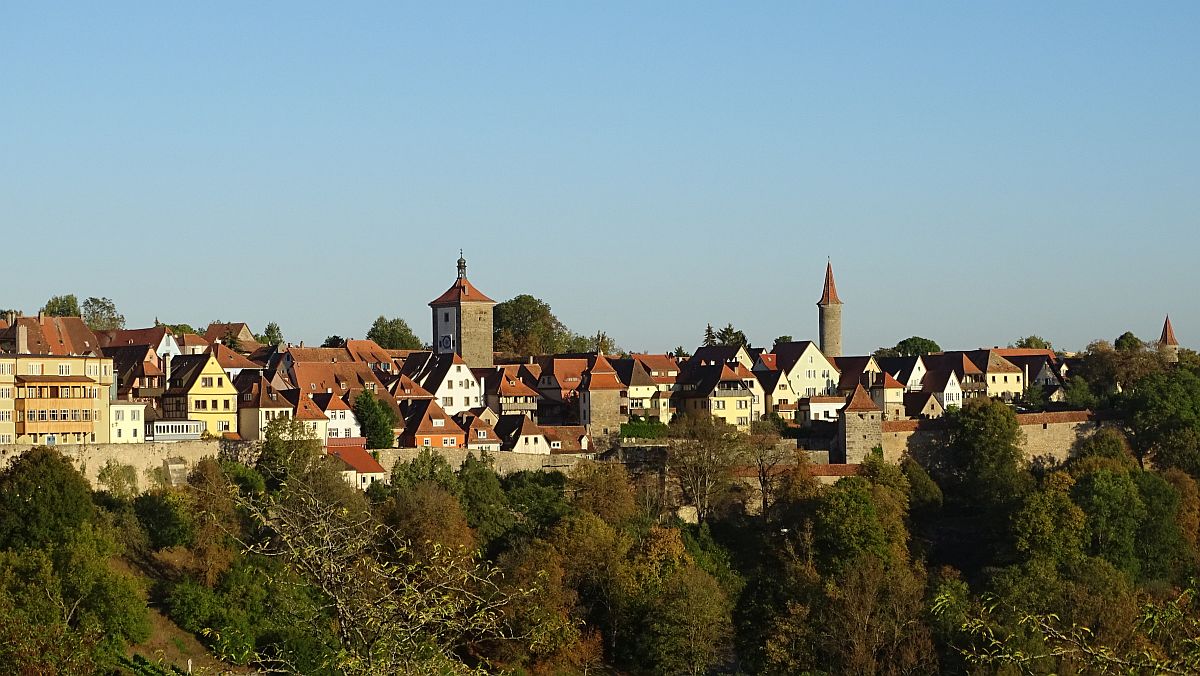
x=473 y=425
x=228 y=359
x=419 y=417
x=1167 y=338
x=887 y=382
x=191 y=340
x=513 y=426
x=829 y=295
x=860 y=402
x=601 y=376
x=788 y=354
x=184 y=370
x=262 y=395
x=404 y=387
x=61 y=336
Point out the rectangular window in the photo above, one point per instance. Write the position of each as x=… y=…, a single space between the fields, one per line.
x=438 y=422
x=447 y=401
x=5 y=393
x=5 y=416
x=481 y=434
x=34 y=369
x=426 y=441
x=118 y=415
x=206 y=381
x=448 y=442
x=333 y=432
x=64 y=369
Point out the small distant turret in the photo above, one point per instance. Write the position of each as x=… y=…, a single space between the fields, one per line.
x=1167 y=342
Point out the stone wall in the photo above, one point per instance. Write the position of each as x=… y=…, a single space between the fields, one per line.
x=860 y=434
x=1046 y=436
x=144 y=458
x=505 y=462
x=475 y=334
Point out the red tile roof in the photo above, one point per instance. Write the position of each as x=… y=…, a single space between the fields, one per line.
x=1168 y=334
x=829 y=295
x=602 y=376
x=358 y=459
x=228 y=359
x=461 y=291
x=860 y=401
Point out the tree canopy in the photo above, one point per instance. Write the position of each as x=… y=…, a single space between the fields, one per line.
x=62 y=306
x=101 y=314
x=393 y=334
x=526 y=325
x=271 y=335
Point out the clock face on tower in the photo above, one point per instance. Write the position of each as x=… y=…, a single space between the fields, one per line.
x=446 y=342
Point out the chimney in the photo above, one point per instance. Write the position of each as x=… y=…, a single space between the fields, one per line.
x=22 y=339
x=167 y=369
x=41 y=315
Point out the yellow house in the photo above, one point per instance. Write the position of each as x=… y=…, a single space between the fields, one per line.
x=54 y=399
x=199 y=389
x=720 y=392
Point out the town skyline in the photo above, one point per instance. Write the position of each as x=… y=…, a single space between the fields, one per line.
x=417 y=322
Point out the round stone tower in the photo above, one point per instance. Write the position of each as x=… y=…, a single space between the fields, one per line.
x=830 y=311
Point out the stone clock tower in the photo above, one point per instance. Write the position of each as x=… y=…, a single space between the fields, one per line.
x=462 y=321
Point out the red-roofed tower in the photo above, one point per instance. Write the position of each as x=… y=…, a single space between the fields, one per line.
x=462 y=321
x=1167 y=342
x=829 y=309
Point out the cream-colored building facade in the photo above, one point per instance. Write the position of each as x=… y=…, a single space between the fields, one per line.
x=51 y=399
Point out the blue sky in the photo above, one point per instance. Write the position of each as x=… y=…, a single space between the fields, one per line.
x=976 y=171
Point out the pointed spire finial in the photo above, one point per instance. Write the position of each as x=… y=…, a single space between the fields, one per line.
x=462 y=265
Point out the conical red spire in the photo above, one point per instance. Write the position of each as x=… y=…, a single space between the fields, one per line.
x=829 y=296
x=1168 y=334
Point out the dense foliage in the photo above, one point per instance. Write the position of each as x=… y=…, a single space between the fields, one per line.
x=964 y=558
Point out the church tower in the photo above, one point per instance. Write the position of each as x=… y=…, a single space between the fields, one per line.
x=462 y=321
x=830 y=311
x=1167 y=343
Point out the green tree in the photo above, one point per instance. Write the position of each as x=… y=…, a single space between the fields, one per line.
x=120 y=480
x=780 y=340
x=703 y=460
x=43 y=498
x=1127 y=342
x=847 y=526
x=101 y=314
x=916 y=345
x=166 y=516
x=680 y=352
x=62 y=306
x=731 y=337
x=603 y=489
x=689 y=623
x=1114 y=511
x=526 y=325
x=177 y=329
x=1049 y=526
x=710 y=337
x=376 y=419
x=428 y=466
x=983 y=461
x=334 y=341
x=272 y=335
x=483 y=500
x=1033 y=342
x=1162 y=415
x=230 y=338
x=393 y=334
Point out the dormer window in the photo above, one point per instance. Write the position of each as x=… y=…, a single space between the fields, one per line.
x=438 y=422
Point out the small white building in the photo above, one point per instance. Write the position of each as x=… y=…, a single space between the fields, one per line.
x=127 y=423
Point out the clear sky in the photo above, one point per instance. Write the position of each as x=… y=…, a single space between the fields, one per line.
x=977 y=171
